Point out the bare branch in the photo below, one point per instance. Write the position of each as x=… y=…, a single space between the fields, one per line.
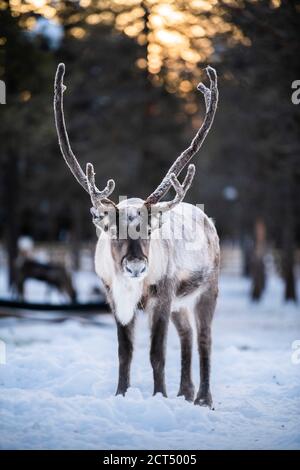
x=211 y=102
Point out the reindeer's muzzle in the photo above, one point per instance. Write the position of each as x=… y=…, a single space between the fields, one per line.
x=135 y=267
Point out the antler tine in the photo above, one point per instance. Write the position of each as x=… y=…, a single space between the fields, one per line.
x=181 y=190
x=207 y=94
x=89 y=185
x=211 y=102
x=98 y=197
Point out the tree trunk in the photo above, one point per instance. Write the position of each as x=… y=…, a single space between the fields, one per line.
x=247 y=250
x=258 y=271
x=288 y=265
x=10 y=197
x=288 y=236
x=76 y=233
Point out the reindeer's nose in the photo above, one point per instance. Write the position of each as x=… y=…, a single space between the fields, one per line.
x=135 y=268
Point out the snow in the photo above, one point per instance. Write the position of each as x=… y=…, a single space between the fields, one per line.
x=57 y=387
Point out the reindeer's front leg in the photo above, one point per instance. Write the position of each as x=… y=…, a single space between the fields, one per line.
x=125 y=339
x=159 y=330
x=158 y=350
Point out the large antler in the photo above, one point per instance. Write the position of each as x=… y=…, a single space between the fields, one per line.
x=181 y=190
x=87 y=181
x=211 y=101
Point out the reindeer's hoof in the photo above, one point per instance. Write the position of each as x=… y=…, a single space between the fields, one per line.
x=187 y=392
x=204 y=401
x=162 y=392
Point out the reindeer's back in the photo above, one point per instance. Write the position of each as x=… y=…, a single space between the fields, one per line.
x=196 y=244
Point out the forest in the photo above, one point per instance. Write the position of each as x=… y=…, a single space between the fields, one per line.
x=155 y=351
x=132 y=106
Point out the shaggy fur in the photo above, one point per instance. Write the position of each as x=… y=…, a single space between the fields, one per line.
x=182 y=278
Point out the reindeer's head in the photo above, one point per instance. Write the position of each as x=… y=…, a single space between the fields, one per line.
x=130 y=223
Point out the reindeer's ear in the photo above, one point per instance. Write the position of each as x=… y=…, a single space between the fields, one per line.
x=97 y=216
x=105 y=221
x=99 y=219
x=94 y=212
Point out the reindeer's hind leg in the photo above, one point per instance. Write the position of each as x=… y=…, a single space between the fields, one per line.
x=185 y=332
x=204 y=311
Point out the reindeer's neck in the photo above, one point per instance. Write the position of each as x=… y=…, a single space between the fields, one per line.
x=126 y=295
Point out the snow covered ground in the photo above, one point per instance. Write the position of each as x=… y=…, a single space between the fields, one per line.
x=57 y=387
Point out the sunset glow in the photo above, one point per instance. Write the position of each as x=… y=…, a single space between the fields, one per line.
x=179 y=36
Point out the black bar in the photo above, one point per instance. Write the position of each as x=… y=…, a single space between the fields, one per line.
x=137 y=458
x=99 y=307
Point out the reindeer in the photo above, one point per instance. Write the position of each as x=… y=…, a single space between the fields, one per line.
x=169 y=276
x=52 y=274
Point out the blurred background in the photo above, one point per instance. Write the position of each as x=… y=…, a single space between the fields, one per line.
x=131 y=107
